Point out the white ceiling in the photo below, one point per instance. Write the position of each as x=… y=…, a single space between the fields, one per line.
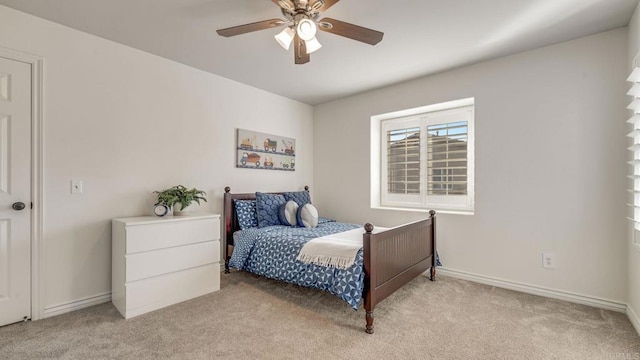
x=421 y=36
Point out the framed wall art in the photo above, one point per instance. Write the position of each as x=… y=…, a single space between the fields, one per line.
x=256 y=150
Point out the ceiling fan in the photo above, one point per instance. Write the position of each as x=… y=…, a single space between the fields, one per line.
x=301 y=20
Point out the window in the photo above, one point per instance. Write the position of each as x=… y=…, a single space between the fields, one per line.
x=423 y=158
x=634 y=92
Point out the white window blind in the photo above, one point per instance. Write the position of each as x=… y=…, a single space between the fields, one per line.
x=447 y=163
x=634 y=106
x=403 y=161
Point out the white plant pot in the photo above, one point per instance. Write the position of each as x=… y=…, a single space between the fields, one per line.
x=176 y=210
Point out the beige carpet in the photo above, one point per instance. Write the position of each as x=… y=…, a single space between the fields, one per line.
x=256 y=318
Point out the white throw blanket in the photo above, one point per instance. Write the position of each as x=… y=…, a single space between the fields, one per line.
x=335 y=250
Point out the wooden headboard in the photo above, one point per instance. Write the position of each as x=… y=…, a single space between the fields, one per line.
x=231 y=220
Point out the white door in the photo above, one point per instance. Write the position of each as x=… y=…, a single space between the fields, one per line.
x=15 y=190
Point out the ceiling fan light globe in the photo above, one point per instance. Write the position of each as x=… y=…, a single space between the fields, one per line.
x=285 y=37
x=312 y=45
x=306 y=29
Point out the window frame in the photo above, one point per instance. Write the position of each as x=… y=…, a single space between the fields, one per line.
x=422 y=117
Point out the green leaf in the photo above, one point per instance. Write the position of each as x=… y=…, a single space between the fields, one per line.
x=180 y=194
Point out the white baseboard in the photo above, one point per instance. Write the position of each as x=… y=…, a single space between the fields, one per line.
x=76 y=305
x=633 y=317
x=538 y=290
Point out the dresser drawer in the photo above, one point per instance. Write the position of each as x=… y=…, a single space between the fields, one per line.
x=152 y=263
x=163 y=235
x=158 y=292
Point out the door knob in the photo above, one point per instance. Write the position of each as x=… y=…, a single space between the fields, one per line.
x=18 y=206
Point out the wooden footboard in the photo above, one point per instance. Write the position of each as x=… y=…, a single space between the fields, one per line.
x=394 y=257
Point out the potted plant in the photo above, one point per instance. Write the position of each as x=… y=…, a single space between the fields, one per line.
x=179 y=197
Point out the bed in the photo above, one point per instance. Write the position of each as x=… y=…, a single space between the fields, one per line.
x=388 y=259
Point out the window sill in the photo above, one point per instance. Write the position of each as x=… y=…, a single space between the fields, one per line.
x=438 y=211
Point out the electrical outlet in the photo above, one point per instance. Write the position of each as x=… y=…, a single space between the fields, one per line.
x=548 y=260
x=76 y=186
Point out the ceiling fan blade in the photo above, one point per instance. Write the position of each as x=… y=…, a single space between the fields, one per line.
x=246 y=28
x=327 y=5
x=301 y=56
x=350 y=31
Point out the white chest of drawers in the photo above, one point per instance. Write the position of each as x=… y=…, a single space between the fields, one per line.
x=157 y=262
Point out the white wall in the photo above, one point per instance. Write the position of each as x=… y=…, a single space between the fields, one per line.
x=634 y=251
x=127 y=123
x=549 y=175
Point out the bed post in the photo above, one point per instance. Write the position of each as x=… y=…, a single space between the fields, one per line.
x=434 y=261
x=369 y=277
x=228 y=219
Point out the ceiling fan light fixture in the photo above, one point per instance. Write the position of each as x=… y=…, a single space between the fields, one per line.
x=307 y=29
x=312 y=45
x=285 y=37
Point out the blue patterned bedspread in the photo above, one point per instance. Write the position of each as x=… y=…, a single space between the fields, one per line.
x=271 y=252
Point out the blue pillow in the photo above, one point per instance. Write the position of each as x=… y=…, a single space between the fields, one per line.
x=246 y=214
x=267 y=208
x=307 y=216
x=287 y=213
x=300 y=197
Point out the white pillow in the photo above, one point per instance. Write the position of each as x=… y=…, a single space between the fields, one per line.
x=307 y=216
x=288 y=213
